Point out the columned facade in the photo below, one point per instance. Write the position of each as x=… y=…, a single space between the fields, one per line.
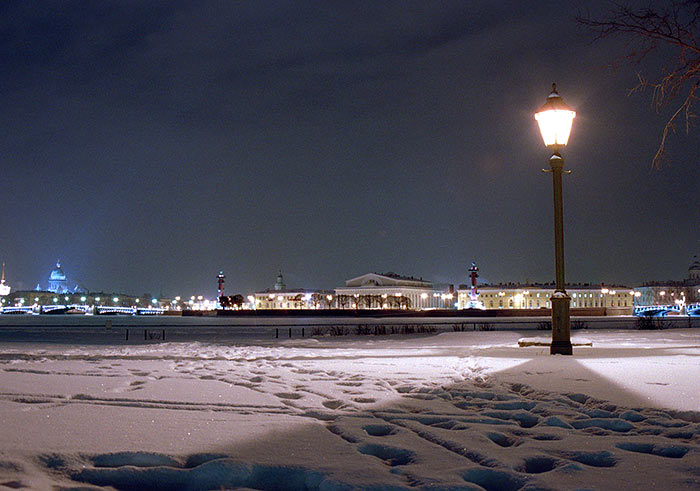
x=391 y=291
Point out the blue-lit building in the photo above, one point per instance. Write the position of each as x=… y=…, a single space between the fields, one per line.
x=58 y=282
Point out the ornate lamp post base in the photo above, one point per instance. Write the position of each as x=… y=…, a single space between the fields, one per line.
x=561 y=335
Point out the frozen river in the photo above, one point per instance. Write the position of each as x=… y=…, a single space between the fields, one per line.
x=269 y=329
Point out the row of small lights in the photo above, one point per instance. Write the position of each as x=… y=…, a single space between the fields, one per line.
x=444 y=296
x=603 y=291
x=662 y=293
x=308 y=296
x=193 y=299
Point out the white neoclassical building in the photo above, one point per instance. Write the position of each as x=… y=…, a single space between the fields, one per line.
x=391 y=291
x=536 y=296
x=281 y=297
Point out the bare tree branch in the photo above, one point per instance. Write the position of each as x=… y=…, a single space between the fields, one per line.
x=676 y=24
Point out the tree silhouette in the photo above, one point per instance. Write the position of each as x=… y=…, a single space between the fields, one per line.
x=674 y=24
x=342 y=300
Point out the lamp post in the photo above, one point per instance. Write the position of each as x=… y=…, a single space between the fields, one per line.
x=555 y=119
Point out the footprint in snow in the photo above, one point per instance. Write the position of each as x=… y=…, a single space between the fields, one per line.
x=334 y=404
x=14 y=484
x=539 y=464
x=671 y=451
x=391 y=456
x=288 y=395
x=379 y=430
x=365 y=400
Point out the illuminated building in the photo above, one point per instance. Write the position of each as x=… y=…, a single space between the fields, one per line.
x=392 y=291
x=671 y=292
x=58 y=282
x=280 y=297
x=617 y=300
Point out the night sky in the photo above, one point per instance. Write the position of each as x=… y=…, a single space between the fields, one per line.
x=147 y=145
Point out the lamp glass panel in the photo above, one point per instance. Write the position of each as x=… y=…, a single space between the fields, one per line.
x=555 y=125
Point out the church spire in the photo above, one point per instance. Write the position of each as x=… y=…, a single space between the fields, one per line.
x=4 y=289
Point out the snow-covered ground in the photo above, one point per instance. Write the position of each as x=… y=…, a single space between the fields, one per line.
x=455 y=410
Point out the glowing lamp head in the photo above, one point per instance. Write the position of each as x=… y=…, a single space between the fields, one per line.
x=555 y=119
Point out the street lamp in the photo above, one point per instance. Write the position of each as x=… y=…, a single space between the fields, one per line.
x=555 y=119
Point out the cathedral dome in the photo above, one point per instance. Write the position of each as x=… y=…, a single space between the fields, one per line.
x=57 y=274
x=57 y=280
x=694 y=270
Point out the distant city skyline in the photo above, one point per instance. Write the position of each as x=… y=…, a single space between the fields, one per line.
x=150 y=145
x=58 y=281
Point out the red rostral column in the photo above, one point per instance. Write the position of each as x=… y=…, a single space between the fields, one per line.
x=473 y=274
x=221 y=277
